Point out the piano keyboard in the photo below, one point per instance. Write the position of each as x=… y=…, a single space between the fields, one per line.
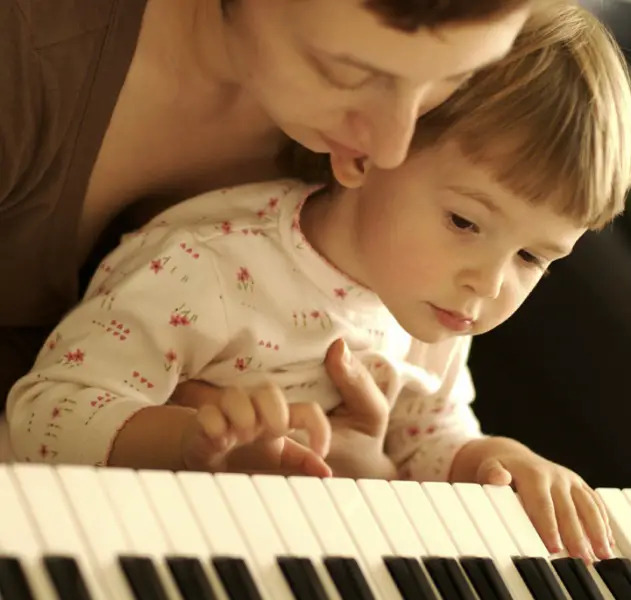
x=78 y=533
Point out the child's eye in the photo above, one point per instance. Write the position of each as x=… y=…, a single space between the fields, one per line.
x=463 y=224
x=533 y=260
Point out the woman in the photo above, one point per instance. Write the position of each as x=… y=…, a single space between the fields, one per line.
x=108 y=103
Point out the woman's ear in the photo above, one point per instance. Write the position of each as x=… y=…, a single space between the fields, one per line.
x=351 y=173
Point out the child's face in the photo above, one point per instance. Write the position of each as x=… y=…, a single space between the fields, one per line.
x=338 y=80
x=448 y=249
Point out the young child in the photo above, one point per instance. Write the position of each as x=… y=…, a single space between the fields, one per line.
x=246 y=288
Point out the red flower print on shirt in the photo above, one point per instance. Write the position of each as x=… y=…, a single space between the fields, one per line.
x=177 y=320
x=189 y=250
x=273 y=203
x=182 y=316
x=156 y=265
x=52 y=341
x=244 y=279
x=242 y=363
x=340 y=293
x=269 y=345
x=226 y=227
x=413 y=430
x=169 y=358
x=73 y=359
x=322 y=317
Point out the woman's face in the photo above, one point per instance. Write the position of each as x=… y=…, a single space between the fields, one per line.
x=338 y=80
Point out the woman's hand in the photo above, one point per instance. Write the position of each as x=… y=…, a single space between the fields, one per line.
x=357 y=428
x=360 y=422
x=562 y=507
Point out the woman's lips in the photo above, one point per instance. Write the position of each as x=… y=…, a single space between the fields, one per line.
x=341 y=149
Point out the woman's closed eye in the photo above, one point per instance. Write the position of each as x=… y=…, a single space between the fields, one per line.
x=462 y=224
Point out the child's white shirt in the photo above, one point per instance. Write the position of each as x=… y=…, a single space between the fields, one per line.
x=224 y=288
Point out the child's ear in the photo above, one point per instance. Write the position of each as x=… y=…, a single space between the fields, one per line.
x=351 y=173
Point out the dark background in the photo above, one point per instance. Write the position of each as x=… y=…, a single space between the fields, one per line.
x=557 y=375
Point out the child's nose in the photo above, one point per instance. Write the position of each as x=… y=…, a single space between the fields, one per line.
x=487 y=281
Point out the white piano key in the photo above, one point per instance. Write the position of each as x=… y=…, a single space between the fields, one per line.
x=178 y=522
x=394 y=523
x=98 y=521
x=496 y=538
x=145 y=535
x=256 y=527
x=60 y=535
x=516 y=521
x=335 y=540
x=19 y=537
x=365 y=531
x=217 y=523
x=518 y=525
x=292 y=525
x=425 y=519
x=455 y=519
x=619 y=510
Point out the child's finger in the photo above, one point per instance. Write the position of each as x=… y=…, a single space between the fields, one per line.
x=492 y=471
x=592 y=520
x=271 y=409
x=362 y=400
x=236 y=406
x=569 y=523
x=213 y=422
x=605 y=515
x=310 y=417
x=538 y=504
x=208 y=440
x=297 y=459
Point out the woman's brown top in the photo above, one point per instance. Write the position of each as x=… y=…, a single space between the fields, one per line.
x=62 y=65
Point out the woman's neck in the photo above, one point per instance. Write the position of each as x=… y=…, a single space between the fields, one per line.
x=186 y=41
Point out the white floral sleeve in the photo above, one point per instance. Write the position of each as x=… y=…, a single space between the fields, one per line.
x=153 y=314
x=426 y=430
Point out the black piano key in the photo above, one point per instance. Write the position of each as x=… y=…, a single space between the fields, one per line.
x=576 y=579
x=143 y=577
x=66 y=577
x=616 y=573
x=348 y=578
x=236 y=578
x=190 y=578
x=485 y=577
x=410 y=578
x=302 y=578
x=13 y=584
x=539 y=578
x=449 y=578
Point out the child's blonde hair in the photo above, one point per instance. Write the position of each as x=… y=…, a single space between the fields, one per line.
x=554 y=115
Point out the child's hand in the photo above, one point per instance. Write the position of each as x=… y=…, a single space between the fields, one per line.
x=238 y=430
x=562 y=507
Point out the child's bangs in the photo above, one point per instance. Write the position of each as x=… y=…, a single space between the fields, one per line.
x=543 y=164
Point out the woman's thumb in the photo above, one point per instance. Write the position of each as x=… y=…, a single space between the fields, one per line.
x=361 y=397
x=492 y=471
